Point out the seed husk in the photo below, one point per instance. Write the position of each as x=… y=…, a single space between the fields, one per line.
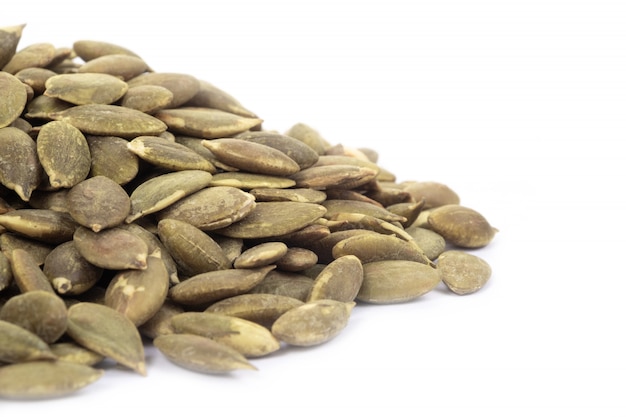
x=340 y=280
x=20 y=345
x=201 y=354
x=64 y=154
x=138 y=294
x=269 y=219
x=205 y=123
x=110 y=120
x=194 y=251
x=261 y=255
x=13 y=98
x=212 y=286
x=107 y=332
x=211 y=208
x=462 y=272
x=68 y=271
x=113 y=248
x=160 y=192
x=169 y=155
x=313 y=323
x=86 y=88
x=252 y=157
x=396 y=281
x=260 y=308
x=246 y=337
x=98 y=203
x=461 y=226
x=20 y=169
x=111 y=158
x=41 y=312
x=43 y=380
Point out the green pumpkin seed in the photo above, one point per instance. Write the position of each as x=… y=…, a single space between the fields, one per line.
x=461 y=226
x=27 y=274
x=113 y=248
x=261 y=255
x=38 y=250
x=296 y=260
x=9 y=39
x=98 y=203
x=86 y=88
x=340 y=280
x=107 y=332
x=182 y=86
x=111 y=158
x=462 y=272
x=169 y=155
x=334 y=176
x=13 y=98
x=41 y=312
x=147 y=98
x=68 y=271
x=88 y=50
x=309 y=136
x=247 y=181
x=41 y=107
x=377 y=247
x=20 y=345
x=302 y=195
x=288 y=284
x=205 y=123
x=118 y=65
x=20 y=170
x=212 y=97
x=35 y=55
x=260 y=308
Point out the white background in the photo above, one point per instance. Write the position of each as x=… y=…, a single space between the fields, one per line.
x=519 y=106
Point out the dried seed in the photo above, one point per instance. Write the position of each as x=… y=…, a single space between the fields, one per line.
x=297 y=259
x=9 y=39
x=42 y=380
x=211 y=208
x=6 y=274
x=263 y=309
x=246 y=337
x=41 y=107
x=35 y=55
x=301 y=153
x=336 y=207
x=72 y=352
x=323 y=247
x=462 y=272
x=261 y=255
x=38 y=250
x=20 y=169
x=340 y=280
x=212 y=97
x=107 y=332
x=377 y=247
x=50 y=200
x=98 y=203
x=247 y=181
x=461 y=226
x=434 y=194
x=88 y=50
x=113 y=248
x=194 y=251
x=161 y=322
x=309 y=136
x=110 y=157
x=334 y=176
x=212 y=286
x=159 y=192
x=118 y=65
x=13 y=98
x=40 y=312
x=200 y=354
x=86 y=88
x=182 y=86
x=20 y=345
x=288 y=284
x=169 y=155
x=205 y=123
x=269 y=219
x=43 y=225
x=147 y=98
x=396 y=281
x=64 y=154
x=432 y=243
x=27 y=274
x=68 y=271
x=301 y=195
x=252 y=157
x=110 y=120
x=313 y=323
x=138 y=294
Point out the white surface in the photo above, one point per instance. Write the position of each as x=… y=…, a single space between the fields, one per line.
x=517 y=105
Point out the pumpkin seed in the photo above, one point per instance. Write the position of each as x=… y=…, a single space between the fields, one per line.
x=87 y=88
x=41 y=312
x=462 y=272
x=13 y=98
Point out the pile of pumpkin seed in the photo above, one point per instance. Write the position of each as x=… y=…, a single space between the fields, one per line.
x=139 y=207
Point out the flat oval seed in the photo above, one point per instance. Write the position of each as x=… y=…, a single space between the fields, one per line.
x=68 y=271
x=261 y=255
x=35 y=55
x=340 y=280
x=297 y=259
x=40 y=312
x=110 y=120
x=74 y=353
x=160 y=192
x=211 y=208
x=39 y=224
x=200 y=354
x=313 y=323
x=107 y=332
x=301 y=153
x=194 y=251
x=182 y=86
x=461 y=226
x=252 y=157
x=20 y=170
x=169 y=155
x=434 y=194
x=110 y=157
x=111 y=248
x=246 y=337
x=64 y=154
x=263 y=309
x=462 y=272
x=161 y=322
x=205 y=123
x=334 y=176
x=20 y=345
x=432 y=243
x=337 y=207
x=377 y=247
x=40 y=107
x=216 y=285
x=6 y=275
x=147 y=98
x=38 y=250
x=13 y=98
x=274 y=219
x=27 y=274
x=9 y=39
x=288 y=284
x=302 y=195
x=88 y=50
x=396 y=281
x=247 y=181
x=42 y=380
x=138 y=294
x=210 y=96
x=90 y=88
x=98 y=203
x=309 y=136
x=119 y=65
